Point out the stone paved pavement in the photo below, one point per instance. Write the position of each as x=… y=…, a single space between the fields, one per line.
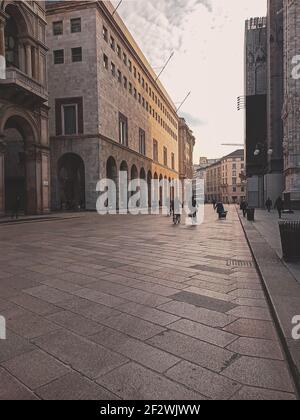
x=267 y=225
x=127 y=307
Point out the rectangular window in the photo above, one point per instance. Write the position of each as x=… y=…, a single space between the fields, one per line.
x=165 y=156
x=173 y=160
x=134 y=71
x=140 y=98
x=135 y=93
x=75 y=25
x=105 y=61
x=125 y=59
x=233 y=181
x=155 y=150
x=113 y=69
x=119 y=51
x=123 y=130
x=143 y=102
x=76 y=54
x=142 y=142
x=130 y=88
x=125 y=82
x=69 y=119
x=130 y=65
x=59 y=56
x=119 y=76
x=105 y=34
x=58 y=28
x=139 y=78
x=112 y=43
x=143 y=82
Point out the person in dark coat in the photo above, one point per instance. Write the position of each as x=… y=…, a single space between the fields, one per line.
x=220 y=209
x=279 y=205
x=269 y=204
x=244 y=207
x=214 y=202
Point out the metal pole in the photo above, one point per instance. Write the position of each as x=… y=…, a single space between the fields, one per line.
x=183 y=101
x=164 y=66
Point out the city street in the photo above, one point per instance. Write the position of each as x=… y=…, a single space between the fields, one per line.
x=125 y=307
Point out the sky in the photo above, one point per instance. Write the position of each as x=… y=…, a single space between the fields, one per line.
x=207 y=37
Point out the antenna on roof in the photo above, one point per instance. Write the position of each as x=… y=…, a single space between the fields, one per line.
x=183 y=101
x=169 y=59
x=119 y=4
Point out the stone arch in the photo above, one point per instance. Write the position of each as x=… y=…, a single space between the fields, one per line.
x=22 y=187
x=17 y=12
x=112 y=173
x=134 y=173
x=123 y=188
x=71 y=181
x=24 y=119
x=149 y=183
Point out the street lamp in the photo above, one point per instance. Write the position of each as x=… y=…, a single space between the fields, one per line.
x=260 y=147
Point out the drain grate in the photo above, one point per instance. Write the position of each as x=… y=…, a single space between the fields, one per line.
x=239 y=263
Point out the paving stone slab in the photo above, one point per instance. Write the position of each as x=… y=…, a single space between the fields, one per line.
x=35 y=305
x=148 y=314
x=11 y=389
x=257 y=347
x=75 y=323
x=251 y=313
x=252 y=328
x=134 y=382
x=193 y=350
x=247 y=393
x=135 y=350
x=13 y=346
x=30 y=325
x=204 y=301
x=74 y=387
x=207 y=383
x=83 y=355
x=202 y=332
x=49 y=294
x=35 y=368
x=270 y=374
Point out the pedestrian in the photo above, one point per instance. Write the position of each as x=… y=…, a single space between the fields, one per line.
x=244 y=207
x=16 y=207
x=214 y=202
x=279 y=205
x=269 y=204
x=220 y=210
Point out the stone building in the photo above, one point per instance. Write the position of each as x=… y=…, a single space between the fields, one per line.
x=24 y=144
x=108 y=110
x=291 y=114
x=224 y=179
x=186 y=145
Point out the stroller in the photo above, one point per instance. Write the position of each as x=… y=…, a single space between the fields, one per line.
x=221 y=211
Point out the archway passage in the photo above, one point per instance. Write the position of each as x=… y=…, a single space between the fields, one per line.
x=71 y=176
x=20 y=182
x=112 y=173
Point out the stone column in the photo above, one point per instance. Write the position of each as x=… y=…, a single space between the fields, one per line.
x=28 y=60
x=2 y=179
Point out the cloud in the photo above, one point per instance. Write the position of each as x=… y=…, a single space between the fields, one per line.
x=192 y=120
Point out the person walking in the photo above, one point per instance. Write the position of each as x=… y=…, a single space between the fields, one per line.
x=220 y=209
x=269 y=204
x=279 y=205
x=16 y=209
x=214 y=202
x=244 y=207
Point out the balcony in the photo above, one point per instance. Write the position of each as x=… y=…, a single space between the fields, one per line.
x=22 y=89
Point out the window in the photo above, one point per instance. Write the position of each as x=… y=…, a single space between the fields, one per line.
x=143 y=82
x=134 y=71
x=119 y=51
x=125 y=82
x=113 y=69
x=165 y=156
x=119 y=76
x=75 y=25
x=76 y=54
x=139 y=77
x=130 y=65
x=155 y=150
x=112 y=43
x=105 y=61
x=233 y=181
x=140 y=98
x=69 y=119
x=58 y=28
x=142 y=142
x=105 y=34
x=123 y=130
x=59 y=56
x=125 y=59
x=135 y=93
x=130 y=88
x=173 y=160
x=143 y=102
x=69 y=116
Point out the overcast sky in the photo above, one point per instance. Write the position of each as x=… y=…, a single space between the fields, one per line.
x=207 y=37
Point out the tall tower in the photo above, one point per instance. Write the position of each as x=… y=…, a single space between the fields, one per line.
x=291 y=108
x=274 y=184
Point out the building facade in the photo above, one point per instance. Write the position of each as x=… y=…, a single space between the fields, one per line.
x=108 y=111
x=290 y=114
x=24 y=141
x=186 y=146
x=224 y=180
